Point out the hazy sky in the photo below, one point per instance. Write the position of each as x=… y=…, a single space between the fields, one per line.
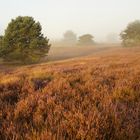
x=98 y=17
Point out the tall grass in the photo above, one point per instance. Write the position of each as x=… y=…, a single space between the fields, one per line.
x=93 y=99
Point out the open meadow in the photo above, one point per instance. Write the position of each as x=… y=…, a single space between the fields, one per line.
x=70 y=70
x=95 y=97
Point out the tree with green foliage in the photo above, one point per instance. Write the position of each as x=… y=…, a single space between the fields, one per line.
x=86 y=39
x=1 y=41
x=131 y=35
x=23 y=41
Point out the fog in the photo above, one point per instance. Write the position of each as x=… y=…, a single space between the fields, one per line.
x=103 y=19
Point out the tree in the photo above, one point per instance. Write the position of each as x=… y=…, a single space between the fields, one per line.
x=1 y=41
x=86 y=39
x=23 y=41
x=131 y=35
x=70 y=38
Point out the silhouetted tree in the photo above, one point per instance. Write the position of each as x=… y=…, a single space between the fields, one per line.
x=23 y=41
x=131 y=35
x=86 y=39
x=70 y=38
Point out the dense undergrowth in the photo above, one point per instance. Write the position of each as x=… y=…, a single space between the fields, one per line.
x=85 y=99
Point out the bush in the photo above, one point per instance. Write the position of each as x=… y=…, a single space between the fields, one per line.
x=23 y=41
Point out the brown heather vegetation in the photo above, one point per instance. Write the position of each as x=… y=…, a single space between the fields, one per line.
x=93 y=98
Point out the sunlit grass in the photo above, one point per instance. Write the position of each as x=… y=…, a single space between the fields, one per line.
x=91 y=98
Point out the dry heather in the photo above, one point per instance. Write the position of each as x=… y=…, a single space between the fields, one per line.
x=93 y=98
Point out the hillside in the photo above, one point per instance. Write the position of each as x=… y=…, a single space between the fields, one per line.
x=65 y=52
x=96 y=97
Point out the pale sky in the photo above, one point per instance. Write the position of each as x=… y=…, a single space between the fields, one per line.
x=97 y=17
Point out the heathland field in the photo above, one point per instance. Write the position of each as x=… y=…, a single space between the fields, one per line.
x=95 y=97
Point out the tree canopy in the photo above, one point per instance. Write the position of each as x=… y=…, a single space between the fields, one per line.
x=23 y=41
x=131 y=35
x=1 y=41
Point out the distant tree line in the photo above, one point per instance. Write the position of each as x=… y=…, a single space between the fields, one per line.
x=130 y=36
x=71 y=38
